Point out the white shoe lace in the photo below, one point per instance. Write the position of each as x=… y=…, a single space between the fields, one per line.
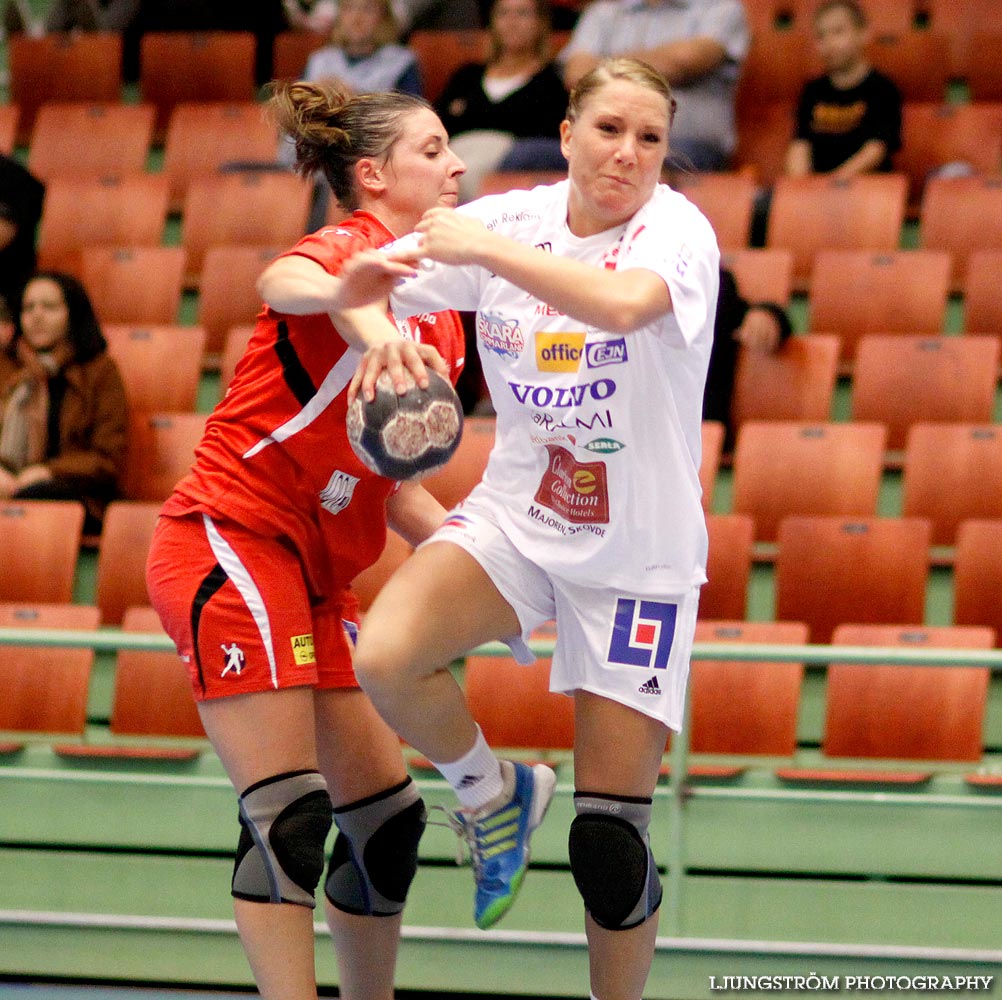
x=465 y=829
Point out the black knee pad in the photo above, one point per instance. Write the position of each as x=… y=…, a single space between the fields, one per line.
x=376 y=851
x=284 y=823
x=611 y=859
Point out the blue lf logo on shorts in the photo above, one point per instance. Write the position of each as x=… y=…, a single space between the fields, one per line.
x=642 y=633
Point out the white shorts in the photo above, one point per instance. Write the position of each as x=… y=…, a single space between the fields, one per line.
x=633 y=648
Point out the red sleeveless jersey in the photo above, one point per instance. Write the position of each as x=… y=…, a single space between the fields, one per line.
x=275 y=455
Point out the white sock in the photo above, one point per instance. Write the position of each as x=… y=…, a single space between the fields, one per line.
x=476 y=777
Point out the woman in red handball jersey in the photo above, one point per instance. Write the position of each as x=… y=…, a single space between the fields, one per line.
x=253 y=556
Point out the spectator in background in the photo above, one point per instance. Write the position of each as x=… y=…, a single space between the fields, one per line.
x=848 y=120
x=21 y=198
x=310 y=15
x=436 y=15
x=364 y=54
x=91 y=15
x=505 y=113
x=738 y=325
x=62 y=402
x=698 y=45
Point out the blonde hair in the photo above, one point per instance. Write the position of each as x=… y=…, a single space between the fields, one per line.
x=333 y=129
x=620 y=68
x=386 y=33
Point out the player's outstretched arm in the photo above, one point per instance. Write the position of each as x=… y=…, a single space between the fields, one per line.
x=299 y=286
x=617 y=301
x=413 y=513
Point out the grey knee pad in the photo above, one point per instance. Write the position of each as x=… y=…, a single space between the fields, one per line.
x=611 y=859
x=375 y=854
x=284 y=823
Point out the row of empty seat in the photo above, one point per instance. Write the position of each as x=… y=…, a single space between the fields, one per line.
x=926 y=713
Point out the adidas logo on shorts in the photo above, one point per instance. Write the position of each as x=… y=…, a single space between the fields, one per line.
x=650 y=687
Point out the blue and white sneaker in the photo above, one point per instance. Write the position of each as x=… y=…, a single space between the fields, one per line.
x=498 y=840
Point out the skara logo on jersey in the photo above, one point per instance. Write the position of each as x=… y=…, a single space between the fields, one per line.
x=608 y=352
x=605 y=446
x=642 y=633
x=502 y=336
x=559 y=352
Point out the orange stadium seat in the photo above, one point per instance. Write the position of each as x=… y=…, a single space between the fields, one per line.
x=712 y=434
x=291 y=50
x=728 y=566
x=134 y=284
x=237 y=339
x=161 y=451
x=746 y=707
x=464 y=470
x=152 y=695
x=9 y=114
x=761 y=275
x=891 y=712
x=785 y=468
x=107 y=211
x=252 y=209
x=854 y=293
x=514 y=706
x=936 y=135
x=915 y=60
x=901 y=381
x=962 y=215
x=984 y=72
x=121 y=557
x=977 y=575
x=811 y=214
x=982 y=292
x=77 y=66
x=160 y=365
x=46 y=689
x=39 y=544
x=727 y=200
x=775 y=68
x=833 y=570
x=441 y=53
x=217 y=66
x=764 y=133
x=228 y=294
x=370 y=581
x=797 y=382
x=203 y=136
x=97 y=140
x=952 y=473
x=960 y=21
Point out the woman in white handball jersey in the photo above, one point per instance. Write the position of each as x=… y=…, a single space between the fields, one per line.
x=595 y=300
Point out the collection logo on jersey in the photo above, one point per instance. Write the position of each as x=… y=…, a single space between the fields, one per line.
x=559 y=352
x=577 y=491
x=337 y=494
x=302 y=649
x=500 y=335
x=642 y=633
x=606 y=352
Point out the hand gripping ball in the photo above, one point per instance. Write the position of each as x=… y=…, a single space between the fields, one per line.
x=408 y=436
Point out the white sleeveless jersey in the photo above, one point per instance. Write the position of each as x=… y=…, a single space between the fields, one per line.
x=594 y=474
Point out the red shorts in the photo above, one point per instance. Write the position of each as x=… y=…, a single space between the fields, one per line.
x=237 y=608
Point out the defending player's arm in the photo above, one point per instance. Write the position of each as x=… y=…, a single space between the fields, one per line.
x=413 y=513
x=617 y=301
x=299 y=286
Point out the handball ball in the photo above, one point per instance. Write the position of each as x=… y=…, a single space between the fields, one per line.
x=408 y=436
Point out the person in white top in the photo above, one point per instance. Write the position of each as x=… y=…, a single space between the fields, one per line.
x=595 y=302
